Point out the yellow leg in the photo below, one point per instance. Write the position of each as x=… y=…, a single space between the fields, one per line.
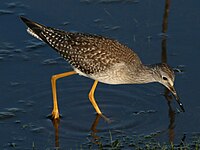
x=92 y=99
x=55 y=111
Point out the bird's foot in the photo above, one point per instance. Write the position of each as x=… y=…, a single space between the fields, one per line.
x=55 y=118
x=106 y=118
x=55 y=115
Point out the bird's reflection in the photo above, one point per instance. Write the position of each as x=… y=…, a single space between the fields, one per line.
x=171 y=114
x=168 y=97
x=56 y=123
x=94 y=131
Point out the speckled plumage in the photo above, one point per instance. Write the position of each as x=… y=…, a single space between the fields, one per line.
x=89 y=55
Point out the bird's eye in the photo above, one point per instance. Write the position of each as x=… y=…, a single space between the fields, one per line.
x=165 y=78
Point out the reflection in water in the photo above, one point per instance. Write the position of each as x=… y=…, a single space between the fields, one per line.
x=171 y=115
x=164 y=60
x=167 y=95
x=94 y=131
x=56 y=123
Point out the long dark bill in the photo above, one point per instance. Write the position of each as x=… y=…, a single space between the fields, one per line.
x=172 y=89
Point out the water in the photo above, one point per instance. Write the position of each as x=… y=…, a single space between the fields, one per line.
x=26 y=67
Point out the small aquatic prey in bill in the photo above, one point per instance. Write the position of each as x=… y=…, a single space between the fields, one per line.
x=99 y=58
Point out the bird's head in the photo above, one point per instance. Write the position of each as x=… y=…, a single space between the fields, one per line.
x=166 y=76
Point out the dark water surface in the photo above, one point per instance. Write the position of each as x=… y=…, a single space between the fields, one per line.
x=26 y=66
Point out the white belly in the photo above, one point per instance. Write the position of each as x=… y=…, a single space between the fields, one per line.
x=114 y=75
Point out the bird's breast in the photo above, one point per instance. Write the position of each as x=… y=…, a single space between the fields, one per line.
x=116 y=74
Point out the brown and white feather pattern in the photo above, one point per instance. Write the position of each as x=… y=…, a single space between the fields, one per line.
x=90 y=54
x=93 y=56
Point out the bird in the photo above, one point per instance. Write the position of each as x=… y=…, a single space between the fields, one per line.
x=101 y=59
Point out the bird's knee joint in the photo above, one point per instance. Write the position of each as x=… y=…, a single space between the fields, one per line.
x=54 y=77
x=90 y=95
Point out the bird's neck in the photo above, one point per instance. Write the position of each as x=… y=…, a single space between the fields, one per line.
x=144 y=74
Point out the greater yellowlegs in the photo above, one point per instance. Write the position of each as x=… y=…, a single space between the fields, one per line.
x=101 y=59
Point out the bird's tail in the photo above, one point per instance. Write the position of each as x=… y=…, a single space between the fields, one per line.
x=53 y=37
x=35 y=29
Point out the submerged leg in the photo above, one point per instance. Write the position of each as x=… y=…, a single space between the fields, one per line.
x=92 y=99
x=55 y=111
